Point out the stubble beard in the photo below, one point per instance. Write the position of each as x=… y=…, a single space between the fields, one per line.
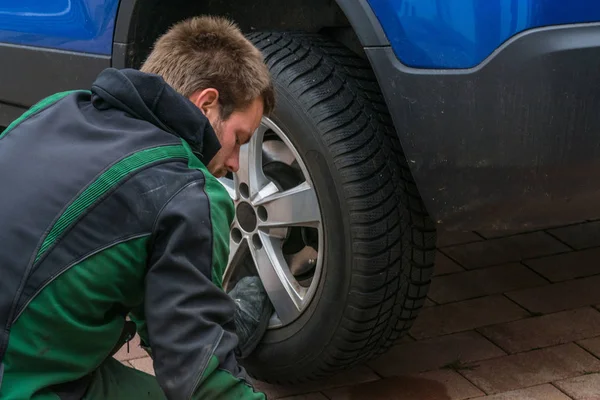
x=220 y=171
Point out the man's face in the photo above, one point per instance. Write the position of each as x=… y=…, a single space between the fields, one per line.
x=233 y=132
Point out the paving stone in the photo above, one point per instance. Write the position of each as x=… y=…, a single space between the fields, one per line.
x=428 y=303
x=446 y=238
x=135 y=351
x=542 y=392
x=579 y=236
x=310 y=396
x=592 y=345
x=353 y=376
x=502 y=233
x=405 y=338
x=586 y=387
x=433 y=385
x=505 y=250
x=143 y=364
x=465 y=315
x=434 y=353
x=559 y=296
x=481 y=282
x=444 y=265
x=562 y=267
x=544 y=331
x=531 y=368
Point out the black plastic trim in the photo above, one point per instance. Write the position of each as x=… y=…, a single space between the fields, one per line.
x=364 y=22
x=119 y=55
x=8 y=113
x=123 y=43
x=123 y=22
x=28 y=74
x=512 y=143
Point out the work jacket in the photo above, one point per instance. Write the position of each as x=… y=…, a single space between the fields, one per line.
x=107 y=211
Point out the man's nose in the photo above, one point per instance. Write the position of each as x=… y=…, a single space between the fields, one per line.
x=233 y=163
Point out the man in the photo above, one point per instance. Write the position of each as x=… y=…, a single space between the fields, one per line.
x=110 y=207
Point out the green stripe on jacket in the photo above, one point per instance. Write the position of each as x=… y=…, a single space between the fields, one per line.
x=105 y=182
x=38 y=107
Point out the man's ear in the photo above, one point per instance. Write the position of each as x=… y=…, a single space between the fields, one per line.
x=206 y=100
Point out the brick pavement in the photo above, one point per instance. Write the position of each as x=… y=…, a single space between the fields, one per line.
x=510 y=316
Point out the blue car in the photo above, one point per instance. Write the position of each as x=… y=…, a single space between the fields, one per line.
x=395 y=119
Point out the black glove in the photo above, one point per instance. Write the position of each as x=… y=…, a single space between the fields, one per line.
x=252 y=314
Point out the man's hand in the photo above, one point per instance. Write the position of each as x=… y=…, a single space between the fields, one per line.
x=252 y=314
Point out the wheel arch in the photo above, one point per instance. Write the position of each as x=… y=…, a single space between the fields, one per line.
x=139 y=23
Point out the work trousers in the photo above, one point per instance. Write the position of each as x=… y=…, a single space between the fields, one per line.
x=115 y=381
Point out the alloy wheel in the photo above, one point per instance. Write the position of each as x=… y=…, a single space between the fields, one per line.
x=277 y=231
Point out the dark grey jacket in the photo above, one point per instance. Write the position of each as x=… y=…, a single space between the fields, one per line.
x=107 y=210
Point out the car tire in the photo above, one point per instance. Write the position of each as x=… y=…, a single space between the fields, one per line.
x=379 y=242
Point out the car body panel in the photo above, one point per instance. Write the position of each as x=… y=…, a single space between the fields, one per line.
x=462 y=33
x=508 y=138
x=513 y=143
x=74 y=25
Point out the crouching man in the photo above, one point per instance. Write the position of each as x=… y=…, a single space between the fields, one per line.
x=111 y=208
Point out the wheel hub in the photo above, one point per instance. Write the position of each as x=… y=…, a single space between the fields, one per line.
x=246 y=216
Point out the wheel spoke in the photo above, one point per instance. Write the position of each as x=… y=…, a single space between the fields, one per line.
x=237 y=251
x=251 y=170
x=278 y=151
x=229 y=185
x=294 y=207
x=284 y=291
x=269 y=190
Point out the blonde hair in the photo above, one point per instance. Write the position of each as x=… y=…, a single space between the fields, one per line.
x=211 y=52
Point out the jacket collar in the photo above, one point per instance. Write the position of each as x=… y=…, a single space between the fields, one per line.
x=149 y=97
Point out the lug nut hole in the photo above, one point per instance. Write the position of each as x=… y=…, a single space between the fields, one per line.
x=244 y=191
x=257 y=242
x=236 y=235
x=262 y=213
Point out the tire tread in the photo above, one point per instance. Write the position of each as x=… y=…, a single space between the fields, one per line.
x=394 y=245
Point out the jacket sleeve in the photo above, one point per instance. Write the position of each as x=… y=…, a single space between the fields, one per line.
x=189 y=318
